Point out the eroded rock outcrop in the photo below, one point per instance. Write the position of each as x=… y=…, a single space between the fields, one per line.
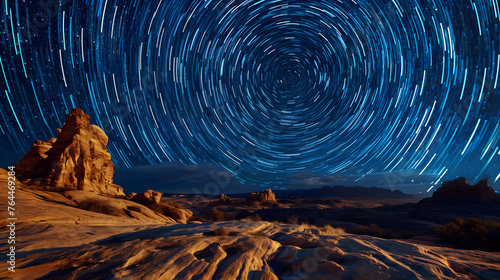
x=148 y=197
x=460 y=188
x=77 y=159
x=224 y=199
x=265 y=196
x=152 y=199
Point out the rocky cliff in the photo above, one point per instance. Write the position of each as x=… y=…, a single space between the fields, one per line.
x=77 y=159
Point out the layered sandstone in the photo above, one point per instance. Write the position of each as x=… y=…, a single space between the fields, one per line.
x=78 y=159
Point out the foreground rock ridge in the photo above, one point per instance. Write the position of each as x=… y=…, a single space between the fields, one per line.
x=76 y=159
x=244 y=250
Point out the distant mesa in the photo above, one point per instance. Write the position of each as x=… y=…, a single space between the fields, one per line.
x=460 y=188
x=77 y=159
x=265 y=196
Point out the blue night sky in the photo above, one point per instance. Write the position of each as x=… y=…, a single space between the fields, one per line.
x=280 y=93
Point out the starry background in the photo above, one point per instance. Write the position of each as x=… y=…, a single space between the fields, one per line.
x=275 y=93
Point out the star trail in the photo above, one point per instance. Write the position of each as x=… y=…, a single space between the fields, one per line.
x=265 y=89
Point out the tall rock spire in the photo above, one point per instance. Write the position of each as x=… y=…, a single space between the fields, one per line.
x=77 y=159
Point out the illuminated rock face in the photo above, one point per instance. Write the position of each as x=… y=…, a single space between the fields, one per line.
x=460 y=188
x=77 y=159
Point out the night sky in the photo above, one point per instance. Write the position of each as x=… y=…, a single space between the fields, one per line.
x=275 y=92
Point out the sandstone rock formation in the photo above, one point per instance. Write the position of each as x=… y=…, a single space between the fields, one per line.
x=265 y=196
x=152 y=199
x=460 y=188
x=224 y=199
x=180 y=215
x=147 y=197
x=77 y=159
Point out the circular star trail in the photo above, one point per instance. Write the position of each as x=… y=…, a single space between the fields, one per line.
x=269 y=90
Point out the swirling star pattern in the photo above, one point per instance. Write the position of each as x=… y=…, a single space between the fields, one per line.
x=265 y=89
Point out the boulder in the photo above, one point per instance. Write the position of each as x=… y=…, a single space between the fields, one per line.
x=77 y=159
x=265 y=196
x=148 y=197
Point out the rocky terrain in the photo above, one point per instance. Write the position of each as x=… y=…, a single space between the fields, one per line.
x=387 y=214
x=74 y=223
x=57 y=241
